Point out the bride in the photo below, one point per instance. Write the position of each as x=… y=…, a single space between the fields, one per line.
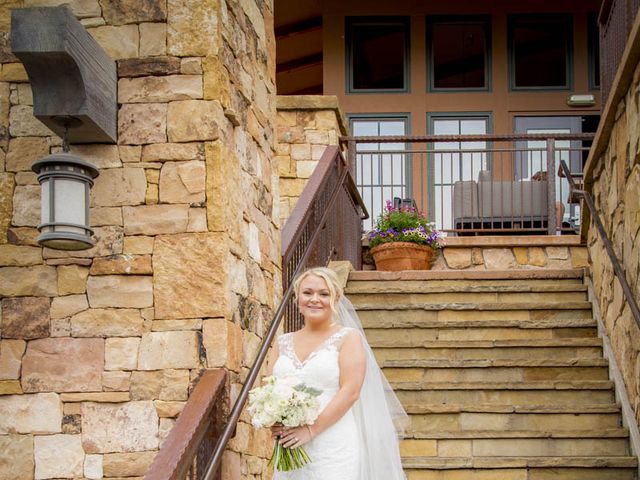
x=355 y=437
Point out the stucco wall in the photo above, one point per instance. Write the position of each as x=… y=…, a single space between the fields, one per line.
x=99 y=349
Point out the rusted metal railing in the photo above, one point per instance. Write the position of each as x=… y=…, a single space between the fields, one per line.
x=473 y=184
x=615 y=22
x=608 y=246
x=325 y=225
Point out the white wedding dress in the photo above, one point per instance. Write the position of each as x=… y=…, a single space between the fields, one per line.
x=335 y=452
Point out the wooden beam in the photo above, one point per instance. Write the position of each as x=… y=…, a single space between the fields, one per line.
x=298 y=28
x=300 y=63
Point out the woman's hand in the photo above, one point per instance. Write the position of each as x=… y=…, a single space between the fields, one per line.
x=292 y=437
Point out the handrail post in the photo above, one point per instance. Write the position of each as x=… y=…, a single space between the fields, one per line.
x=351 y=157
x=551 y=186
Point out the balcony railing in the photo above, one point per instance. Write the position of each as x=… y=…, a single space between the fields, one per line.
x=474 y=184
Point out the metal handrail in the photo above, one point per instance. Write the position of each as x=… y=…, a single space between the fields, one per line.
x=617 y=268
x=234 y=415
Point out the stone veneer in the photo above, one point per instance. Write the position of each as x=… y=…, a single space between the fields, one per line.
x=99 y=349
x=306 y=125
x=615 y=184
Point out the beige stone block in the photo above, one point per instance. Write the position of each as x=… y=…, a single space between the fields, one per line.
x=11 y=352
x=182 y=182
x=159 y=89
x=304 y=169
x=102 y=216
x=80 y=8
x=152 y=195
x=119 y=186
x=192 y=28
x=216 y=80
x=138 y=245
x=537 y=257
x=558 y=253
x=93 y=467
x=166 y=424
x=7 y=184
x=109 y=240
x=20 y=235
x=121 y=353
x=301 y=151
x=116 y=381
x=166 y=409
x=193 y=66
x=63 y=365
x=292 y=187
x=193 y=120
x=457 y=258
x=16 y=457
x=26 y=206
x=171 y=385
x=317 y=137
x=10 y=387
x=197 y=220
x=222 y=341
x=130 y=153
x=153 y=39
x=107 y=323
x=172 y=325
x=120 y=12
x=26 y=178
x=60 y=327
x=13 y=72
x=22 y=123
x=173 y=151
x=123 y=265
x=67 y=306
x=579 y=256
x=186 y=283
x=120 y=291
x=25 y=317
x=37 y=414
x=133 y=427
x=522 y=255
x=160 y=350
x=58 y=456
x=72 y=279
x=127 y=464
x=155 y=219
x=23 y=151
x=19 y=256
x=317 y=151
x=101 y=156
x=102 y=397
x=119 y=42
x=142 y=123
x=499 y=258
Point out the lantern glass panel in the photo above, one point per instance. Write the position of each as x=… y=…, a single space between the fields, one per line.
x=69 y=198
x=45 y=204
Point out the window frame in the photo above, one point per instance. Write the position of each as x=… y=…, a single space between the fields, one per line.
x=593 y=40
x=350 y=22
x=568 y=20
x=484 y=20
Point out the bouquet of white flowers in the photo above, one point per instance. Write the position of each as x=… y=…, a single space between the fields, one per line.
x=287 y=401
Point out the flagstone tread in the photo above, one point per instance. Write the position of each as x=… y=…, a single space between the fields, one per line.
x=445 y=463
x=516 y=343
x=481 y=363
x=540 y=385
x=501 y=408
x=397 y=323
x=402 y=287
x=490 y=306
x=573 y=273
x=493 y=434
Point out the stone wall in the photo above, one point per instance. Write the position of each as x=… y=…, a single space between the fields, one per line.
x=616 y=183
x=306 y=125
x=99 y=349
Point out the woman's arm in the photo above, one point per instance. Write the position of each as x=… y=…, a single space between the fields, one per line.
x=353 y=367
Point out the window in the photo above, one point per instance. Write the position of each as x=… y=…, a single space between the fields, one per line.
x=459 y=55
x=540 y=51
x=381 y=176
x=594 y=51
x=378 y=54
x=465 y=161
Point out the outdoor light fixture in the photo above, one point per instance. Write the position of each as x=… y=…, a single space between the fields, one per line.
x=581 y=100
x=65 y=182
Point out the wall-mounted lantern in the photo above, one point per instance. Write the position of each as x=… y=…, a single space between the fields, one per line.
x=65 y=181
x=74 y=85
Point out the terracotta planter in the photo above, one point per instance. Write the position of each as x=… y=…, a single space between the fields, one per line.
x=396 y=256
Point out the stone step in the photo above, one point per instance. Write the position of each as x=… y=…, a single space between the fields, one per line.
x=555 y=462
x=486 y=286
x=471 y=277
x=530 y=385
x=469 y=422
x=524 y=363
x=521 y=473
x=446 y=298
x=495 y=374
x=471 y=306
x=516 y=435
x=431 y=332
x=505 y=396
x=596 y=408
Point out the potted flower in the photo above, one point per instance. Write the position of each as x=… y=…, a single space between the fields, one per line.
x=403 y=239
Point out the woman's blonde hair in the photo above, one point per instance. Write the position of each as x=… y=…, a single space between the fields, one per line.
x=329 y=276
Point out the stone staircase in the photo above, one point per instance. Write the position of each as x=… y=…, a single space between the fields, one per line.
x=502 y=374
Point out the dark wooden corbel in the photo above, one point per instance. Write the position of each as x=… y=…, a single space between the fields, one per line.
x=74 y=81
